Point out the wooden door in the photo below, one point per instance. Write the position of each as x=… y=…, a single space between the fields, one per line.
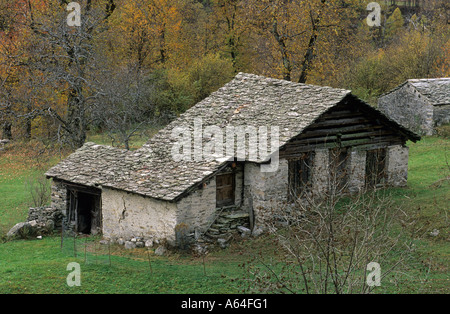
x=225 y=186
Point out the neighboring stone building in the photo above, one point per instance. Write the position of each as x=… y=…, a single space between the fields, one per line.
x=182 y=179
x=419 y=105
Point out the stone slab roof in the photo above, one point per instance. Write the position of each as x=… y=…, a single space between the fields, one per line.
x=248 y=100
x=91 y=165
x=436 y=90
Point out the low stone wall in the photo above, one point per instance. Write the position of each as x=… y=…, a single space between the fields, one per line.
x=41 y=221
x=46 y=215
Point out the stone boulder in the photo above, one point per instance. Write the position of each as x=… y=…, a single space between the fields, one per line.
x=161 y=250
x=130 y=245
x=30 y=229
x=21 y=230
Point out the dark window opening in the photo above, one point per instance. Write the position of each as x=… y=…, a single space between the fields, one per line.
x=225 y=187
x=300 y=175
x=375 y=167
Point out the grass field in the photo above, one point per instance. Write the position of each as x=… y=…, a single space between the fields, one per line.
x=39 y=266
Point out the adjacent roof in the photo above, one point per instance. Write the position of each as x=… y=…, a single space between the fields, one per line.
x=436 y=90
x=248 y=100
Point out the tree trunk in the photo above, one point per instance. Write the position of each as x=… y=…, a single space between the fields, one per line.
x=76 y=120
x=287 y=66
x=309 y=54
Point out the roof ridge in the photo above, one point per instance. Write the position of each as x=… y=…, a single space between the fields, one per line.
x=430 y=79
x=241 y=75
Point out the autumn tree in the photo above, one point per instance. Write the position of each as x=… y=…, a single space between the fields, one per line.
x=63 y=60
x=124 y=107
x=394 y=24
x=294 y=31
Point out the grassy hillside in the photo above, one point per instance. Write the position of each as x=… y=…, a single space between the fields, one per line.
x=39 y=266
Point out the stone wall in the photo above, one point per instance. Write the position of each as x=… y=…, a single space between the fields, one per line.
x=129 y=216
x=198 y=209
x=264 y=190
x=409 y=108
x=397 y=166
x=320 y=173
x=356 y=168
x=59 y=197
x=40 y=221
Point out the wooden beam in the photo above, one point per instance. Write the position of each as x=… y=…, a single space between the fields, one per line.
x=334 y=138
x=330 y=123
x=343 y=129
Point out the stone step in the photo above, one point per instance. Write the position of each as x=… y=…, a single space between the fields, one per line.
x=217 y=236
x=237 y=215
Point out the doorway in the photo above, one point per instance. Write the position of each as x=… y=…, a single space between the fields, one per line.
x=225 y=187
x=84 y=210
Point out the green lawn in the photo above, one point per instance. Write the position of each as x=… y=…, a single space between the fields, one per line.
x=39 y=266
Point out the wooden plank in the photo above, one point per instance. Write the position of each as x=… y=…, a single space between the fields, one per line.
x=340 y=114
x=83 y=188
x=344 y=129
x=294 y=152
x=334 y=138
x=331 y=123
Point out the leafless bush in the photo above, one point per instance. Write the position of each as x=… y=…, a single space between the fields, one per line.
x=325 y=244
x=40 y=191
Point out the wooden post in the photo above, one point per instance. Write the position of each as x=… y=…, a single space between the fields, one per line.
x=62 y=234
x=109 y=252
x=75 y=244
x=149 y=263
x=85 y=249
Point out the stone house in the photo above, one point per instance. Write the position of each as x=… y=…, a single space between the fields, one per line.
x=419 y=105
x=182 y=179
